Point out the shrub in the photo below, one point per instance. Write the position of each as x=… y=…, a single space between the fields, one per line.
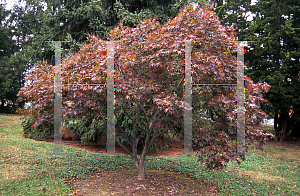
x=42 y=132
x=87 y=129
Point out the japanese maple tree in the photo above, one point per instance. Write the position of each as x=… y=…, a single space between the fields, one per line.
x=149 y=78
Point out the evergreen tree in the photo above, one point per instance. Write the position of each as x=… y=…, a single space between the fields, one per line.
x=11 y=75
x=272 y=55
x=275 y=59
x=234 y=13
x=72 y=20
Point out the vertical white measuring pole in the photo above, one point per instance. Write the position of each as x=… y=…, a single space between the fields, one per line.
x=188 y=101
x=57 y=103
x=110 y=144
x=240 y=91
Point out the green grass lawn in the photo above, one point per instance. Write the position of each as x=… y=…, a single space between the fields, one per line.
x=267 y=125
x=27 y=167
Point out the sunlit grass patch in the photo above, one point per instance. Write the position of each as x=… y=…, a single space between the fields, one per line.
x=10 y=121
x=286 y=154
x=9 y=172
x=262 y=177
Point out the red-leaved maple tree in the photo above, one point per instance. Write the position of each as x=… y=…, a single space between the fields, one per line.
x=149 y=73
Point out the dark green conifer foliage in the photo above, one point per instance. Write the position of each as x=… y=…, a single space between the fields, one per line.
x=71 y=21
x=272 y=55
x=11 y=69
x=233 y=13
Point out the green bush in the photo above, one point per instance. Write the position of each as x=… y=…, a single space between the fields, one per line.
x=87 y=129
x=30 y=132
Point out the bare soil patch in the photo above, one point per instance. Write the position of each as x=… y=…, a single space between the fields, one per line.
x=158 y=182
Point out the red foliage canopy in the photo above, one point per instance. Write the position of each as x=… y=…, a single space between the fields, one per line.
x=149 y=67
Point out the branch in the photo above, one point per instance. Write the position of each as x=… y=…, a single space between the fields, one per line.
x=155 y=117
x=180 y=83
x=153 y=122
x=101 y=115
x=120 y=70
x=143 y=109
x=124 y=135
x=156 y=135
x=140 y=136
x=268 y=113
x=149 y=130
x=135 y=122
x=130 y=153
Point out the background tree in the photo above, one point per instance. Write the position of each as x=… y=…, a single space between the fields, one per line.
x=234 y=13
x=72 y=20
x=272 y=54
x=4 y=50
x=41 y=21
x=11 y=64
x=149 y=65
x=274 y=57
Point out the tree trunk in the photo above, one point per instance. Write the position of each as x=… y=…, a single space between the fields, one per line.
x=296 y=130
x=280 y=131
x=283 y=127
x=139 y=163
x=140 y=166
x=291 y=123
x=22 y=105
x=141 y=170
x=276 y=127
x=275 y=121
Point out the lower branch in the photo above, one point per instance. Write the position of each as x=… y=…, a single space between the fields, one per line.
x=156 y=135
x=130 y=153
